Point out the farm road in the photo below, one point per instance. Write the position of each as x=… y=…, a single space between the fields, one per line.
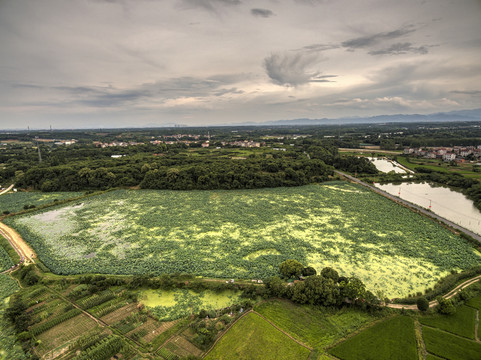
x=411 y=206
x=20 y=246
x=6 y=190
x=449 y=295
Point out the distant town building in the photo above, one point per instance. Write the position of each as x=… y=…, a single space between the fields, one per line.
x=456 y=153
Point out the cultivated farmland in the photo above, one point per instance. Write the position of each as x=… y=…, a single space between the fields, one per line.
x=5 y=261
x=247 y=234
x=391 y=339
x=252 y=337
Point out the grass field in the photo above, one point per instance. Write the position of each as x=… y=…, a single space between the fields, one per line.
x=391 y=339
x=254 y=338
x=247 y=234
x=449 y=346
x=475 y=302
x=461 y=323
x=14 y=202
x=311 y=325
x=433 y=357
x=465 y=169
x=174 y=304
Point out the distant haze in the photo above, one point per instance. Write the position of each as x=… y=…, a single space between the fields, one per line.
x=131 y=63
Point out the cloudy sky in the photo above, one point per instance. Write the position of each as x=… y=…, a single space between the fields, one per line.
x=116 y=63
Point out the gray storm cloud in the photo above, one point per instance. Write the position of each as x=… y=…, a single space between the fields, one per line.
x=205 y=62
x=370 y=40
x=209 y=5
x=265 y=13
x=291 y=69
x=399 y=49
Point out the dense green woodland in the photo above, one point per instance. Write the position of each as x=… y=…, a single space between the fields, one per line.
x=310 y=156
x=176 y=169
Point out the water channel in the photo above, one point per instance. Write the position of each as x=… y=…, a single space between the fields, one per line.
x=449 y=204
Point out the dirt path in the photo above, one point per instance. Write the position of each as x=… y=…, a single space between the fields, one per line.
x=476 y=337
x=20 y=246
x=6 y=190
x=433 y=303
x=421 y=345
x=370 y=151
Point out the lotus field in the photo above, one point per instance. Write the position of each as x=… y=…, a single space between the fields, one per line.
x=247 y=234
x=14 y=202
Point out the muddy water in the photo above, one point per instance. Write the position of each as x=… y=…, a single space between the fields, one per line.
x=443 y=201
x=386 y=166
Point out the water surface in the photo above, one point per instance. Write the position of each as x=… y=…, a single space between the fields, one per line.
x=386 y=166
x=450 y=204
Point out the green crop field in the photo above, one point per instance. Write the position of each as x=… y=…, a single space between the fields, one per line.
x=14 y=258
x=5 y=261
x=312 y=325
x=449 y=346
x=461 y=323
x=7 y=286
x=475 y=302
x=254 y=338
x=247 y=234
x=432 y=357
x=391 y=339
x=9 y=348
x=14 y=202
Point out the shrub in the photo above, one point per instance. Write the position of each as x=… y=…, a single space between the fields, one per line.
x=445 y=306
x=423 y=304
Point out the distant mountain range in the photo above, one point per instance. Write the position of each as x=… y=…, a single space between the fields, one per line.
x=462 y=115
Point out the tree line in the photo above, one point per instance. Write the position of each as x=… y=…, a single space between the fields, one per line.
x=308 y=162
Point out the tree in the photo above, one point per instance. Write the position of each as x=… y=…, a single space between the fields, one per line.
x=330 y=273
x=422 y=303
x=354 y=289
x=322 y=291
x=290 y=268
x=445 y=306
x=309 y=271
x=299 y=293
x=275 y=286
x=17 y=315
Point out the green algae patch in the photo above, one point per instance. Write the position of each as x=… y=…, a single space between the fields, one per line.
x=173 y=304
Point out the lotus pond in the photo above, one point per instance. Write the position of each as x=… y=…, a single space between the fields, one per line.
x=247 y=234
